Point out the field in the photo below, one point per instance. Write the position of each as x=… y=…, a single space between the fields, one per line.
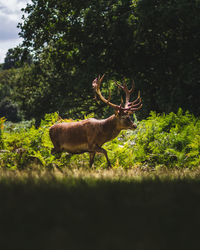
x=149 y=199
x=100 y=209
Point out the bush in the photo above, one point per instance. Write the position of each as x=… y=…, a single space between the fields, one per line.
x=10 y=110
x=171 y=140
x=2 y=120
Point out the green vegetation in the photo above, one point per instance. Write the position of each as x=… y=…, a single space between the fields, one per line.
x=149 y=200
x=66 y=44
x=171 y=140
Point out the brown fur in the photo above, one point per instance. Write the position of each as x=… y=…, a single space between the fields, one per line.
x=88 y=135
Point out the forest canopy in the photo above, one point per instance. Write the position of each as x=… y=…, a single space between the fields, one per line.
x=66 y=44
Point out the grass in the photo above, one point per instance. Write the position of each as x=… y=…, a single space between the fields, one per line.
x=99 y=209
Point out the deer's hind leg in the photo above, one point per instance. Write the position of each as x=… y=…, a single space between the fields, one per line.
x=56 y=150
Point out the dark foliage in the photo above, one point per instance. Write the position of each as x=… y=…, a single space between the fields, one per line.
x=154 y=42
x=16 y=57
x=9 y=110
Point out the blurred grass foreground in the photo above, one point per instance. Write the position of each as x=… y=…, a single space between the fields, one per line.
x=99 y=209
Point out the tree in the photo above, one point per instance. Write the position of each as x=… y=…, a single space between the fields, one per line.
x=154 y=42
x=16 y=57
x=74 y=42
x=9 y=110
x=168 y=38
x=8 y=106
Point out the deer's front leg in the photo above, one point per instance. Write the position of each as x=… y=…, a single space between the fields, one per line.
x=102 y=150
x=92 y=155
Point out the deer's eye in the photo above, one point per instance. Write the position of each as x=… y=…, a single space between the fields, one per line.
x=126 y=118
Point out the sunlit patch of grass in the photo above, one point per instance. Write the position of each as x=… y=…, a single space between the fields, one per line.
x=37 y=174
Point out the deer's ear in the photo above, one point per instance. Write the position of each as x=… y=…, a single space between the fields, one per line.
x=117 y=112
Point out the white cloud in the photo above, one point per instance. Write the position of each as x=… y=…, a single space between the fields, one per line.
x=10 y=16
x=8 y=30
x=12 y=8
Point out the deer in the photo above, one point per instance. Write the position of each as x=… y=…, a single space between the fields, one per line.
x=89 y=135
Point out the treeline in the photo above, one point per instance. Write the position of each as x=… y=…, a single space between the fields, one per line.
x=66 y=44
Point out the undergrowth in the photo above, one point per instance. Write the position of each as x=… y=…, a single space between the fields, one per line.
x=167 y=140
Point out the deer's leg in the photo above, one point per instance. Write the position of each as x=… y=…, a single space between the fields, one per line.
x=56 y=151
x=56 y=148
x=92 y=155
x=102 y=150
x=57 y=155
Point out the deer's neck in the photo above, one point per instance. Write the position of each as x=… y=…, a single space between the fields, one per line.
x=110 y=127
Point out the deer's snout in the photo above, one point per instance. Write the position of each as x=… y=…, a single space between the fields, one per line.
x=134 y=126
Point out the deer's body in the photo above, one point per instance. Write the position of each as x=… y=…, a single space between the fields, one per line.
x=82 y=136
x=89 y=135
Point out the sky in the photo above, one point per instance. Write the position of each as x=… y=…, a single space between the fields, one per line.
x=10 y=16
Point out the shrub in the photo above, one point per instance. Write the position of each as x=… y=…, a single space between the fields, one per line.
x=172 y=140
x=10 y=109
x=2 y=120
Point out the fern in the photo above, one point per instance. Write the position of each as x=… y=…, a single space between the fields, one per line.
x=172 y=140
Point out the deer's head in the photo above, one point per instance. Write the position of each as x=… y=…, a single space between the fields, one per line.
x=124 y=112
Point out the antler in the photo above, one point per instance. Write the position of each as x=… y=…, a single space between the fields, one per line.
x=134 y=105
x=96 y=86
x=127 y=92
x=129 y=107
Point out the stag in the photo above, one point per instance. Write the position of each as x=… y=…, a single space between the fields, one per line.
x=89 y=135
